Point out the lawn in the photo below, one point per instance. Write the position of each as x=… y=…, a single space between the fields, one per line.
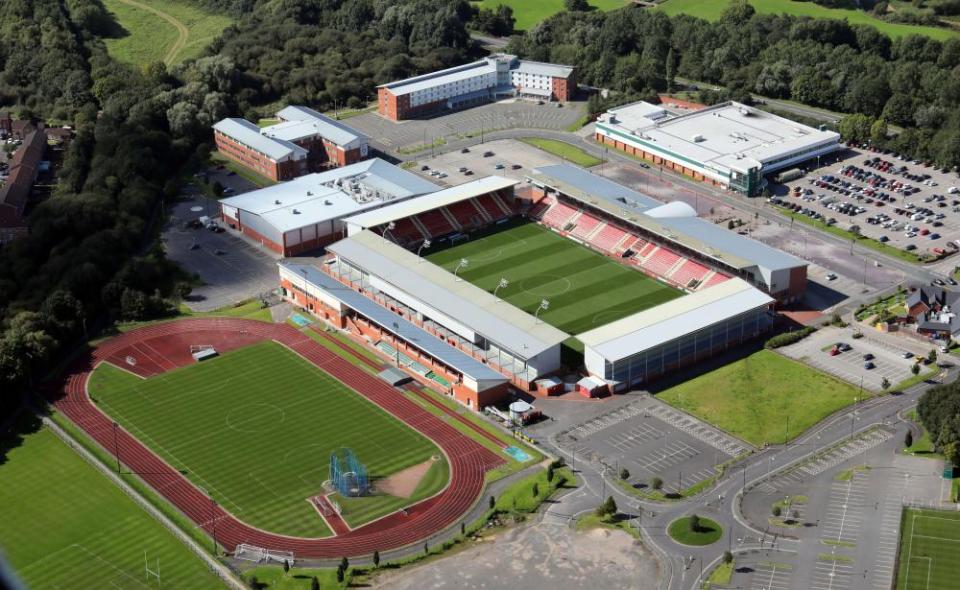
x=929 y=543
x=67 y=526
x=170 y=31
x=530 y=12
x=712 y=9
x=585 y=289
x=709 y=532
x=570 y=153
x=256 y=178
x=255 y=428
x=761 y=398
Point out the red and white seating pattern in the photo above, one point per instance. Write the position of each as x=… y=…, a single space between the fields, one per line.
x=541 y=206
x=646 y=250
x=608 y=237
x=689 y=271
x=585 y=225
x=660 y=262
x=558 y=215
x=716 y=279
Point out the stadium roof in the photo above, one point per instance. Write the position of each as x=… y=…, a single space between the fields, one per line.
x=663 y=323
x=498 y=321
x=396 y=324
x=300 y=121
x=447 y=196
x=540 y=68
x=673 y=221
x=248 y=134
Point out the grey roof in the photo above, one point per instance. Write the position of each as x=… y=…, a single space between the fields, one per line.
x=331 y=129
x=247 y=133
x=395 y=324
x=544 y=69
x=508 y=327
x=669 y=221
x=380 y=175
x=456 y=73
x=669 y=321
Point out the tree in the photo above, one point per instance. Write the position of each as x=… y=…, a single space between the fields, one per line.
x=951 y=453
x=535 y=490
x=885 y=384
x=426 y=548
x=694 y=523
x=776 y=511
x=576 y=5
x=727 y=557
x=656 y=483
x=216 y=188
x=624 y=473
x=878 y=131
x=607 y=508
x=314 y=583
x=376 y=559
x=344 y=563
x=340 y=575
x=915 y=369
x=932 y=355
x=908 y=439
x=286 y=566
x=492 y=503
x=550 y=472
x=463 y=529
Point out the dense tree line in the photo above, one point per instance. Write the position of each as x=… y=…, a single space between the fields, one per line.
x=939 y=411
x=912 y=82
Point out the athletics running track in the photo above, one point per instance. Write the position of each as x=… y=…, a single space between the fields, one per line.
x=161 y=347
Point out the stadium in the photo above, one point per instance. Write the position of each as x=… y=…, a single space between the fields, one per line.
x=488 y=286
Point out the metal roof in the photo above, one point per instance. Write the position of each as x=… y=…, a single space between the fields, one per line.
x=670 y=221
x=454 y=74
x=309 y=119
x=540 y=68
x=380 y=175
x=447 y=196
x=248 y=134
x=501 y=323
x=396 y=324
x=663 y=323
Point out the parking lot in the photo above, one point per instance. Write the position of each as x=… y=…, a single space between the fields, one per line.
x=507 y=157
x=868 y=361
x=908 y=205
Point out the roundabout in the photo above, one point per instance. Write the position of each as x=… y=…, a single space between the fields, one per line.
x=686 y=531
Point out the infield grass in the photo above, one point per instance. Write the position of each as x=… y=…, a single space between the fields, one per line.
x=764 y=397
x=65 y=525
x=255 y=428
x=712 y=9
x=929 y=545
x=530 y=12
x=585 y=289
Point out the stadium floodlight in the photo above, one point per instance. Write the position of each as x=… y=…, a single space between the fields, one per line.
x=544 y=305
x=501 y=285
x=425 y=244
x=462 y=264
x=389 y=228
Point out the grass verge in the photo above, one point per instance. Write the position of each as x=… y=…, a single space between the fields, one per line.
x=707 y=533
x=256 y=178
x=564 y=150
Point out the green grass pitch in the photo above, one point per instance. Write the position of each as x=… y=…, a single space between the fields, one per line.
x=585 y=289
x=66 y=526
x=929 y=545
x=255 y=429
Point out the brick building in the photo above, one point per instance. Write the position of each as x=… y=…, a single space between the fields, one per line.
x=475 y=83
x=303 y=141
x=15 y=193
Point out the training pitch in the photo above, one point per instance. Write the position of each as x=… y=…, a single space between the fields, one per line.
x=585 y=289
x=67 y=526
x=929 y=545
x=255 y=428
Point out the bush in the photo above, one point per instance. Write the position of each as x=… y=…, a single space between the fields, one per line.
x=788 y=338
x=656 y=483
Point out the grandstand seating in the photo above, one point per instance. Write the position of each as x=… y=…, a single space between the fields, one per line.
x=689 y=271
x=404 y=231
x=465 y=213
x=486 y=203
x=585 y=225
x=632 y=243
x=661 y=261
x=505 y=206
x=608 y=237
x=647 y=250
x=540 y=208
x=559 y=214
x=435 y=222
x=716 y=279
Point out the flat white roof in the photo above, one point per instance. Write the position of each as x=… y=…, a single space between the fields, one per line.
x=663 y=323
x=454 y=74
x=729 y=135
x=498 y=321
x=248 y=134
x=544 y=69
x=447 y=196
x=301 y=121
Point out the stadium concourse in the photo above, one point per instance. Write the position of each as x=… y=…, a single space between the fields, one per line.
x=162 y=347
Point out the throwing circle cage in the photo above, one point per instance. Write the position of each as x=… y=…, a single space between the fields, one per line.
x=348 y=474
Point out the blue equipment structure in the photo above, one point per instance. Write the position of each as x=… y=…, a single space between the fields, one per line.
x=348 y=474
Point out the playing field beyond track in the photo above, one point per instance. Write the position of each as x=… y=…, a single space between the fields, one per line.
x=929 y=545
x=255 y=429
x=64 y=525
x=585 y=289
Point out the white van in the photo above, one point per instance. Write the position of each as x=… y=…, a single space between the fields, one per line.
x=953 y=190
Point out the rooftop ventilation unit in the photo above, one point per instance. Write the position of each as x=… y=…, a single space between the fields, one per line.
x=296 y=212
x=327 y=202
x=276 y=202
x=309 y=193
x=745 y=111
x=697 y=138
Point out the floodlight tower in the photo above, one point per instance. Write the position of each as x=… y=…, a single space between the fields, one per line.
x=425 y=244
x=389 y=228
x=544 y=306
x=501 y=285
x=464 y=263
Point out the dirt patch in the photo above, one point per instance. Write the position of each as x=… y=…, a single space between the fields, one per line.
x=402 y=484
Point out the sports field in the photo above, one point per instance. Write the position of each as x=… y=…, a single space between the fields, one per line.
x=585 y=289
x=929 y=545
x=712 y=9
x=65 y=525
x=761 y=398
x=530 y=12
x=255 y=428
x=169 y=31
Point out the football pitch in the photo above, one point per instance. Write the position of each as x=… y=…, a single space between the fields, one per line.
x=585 y=289
x=255 y=428
x=66 y=526
x=929 y=545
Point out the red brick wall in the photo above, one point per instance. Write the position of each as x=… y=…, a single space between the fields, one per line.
x=248 y=158
x=563 y=88
x=798 y=282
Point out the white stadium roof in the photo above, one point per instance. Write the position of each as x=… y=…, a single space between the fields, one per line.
x=668 y=321
x=498 y=321
x=248 y=134
x=447 y=196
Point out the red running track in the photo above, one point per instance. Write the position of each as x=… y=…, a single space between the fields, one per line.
x=168 y=346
